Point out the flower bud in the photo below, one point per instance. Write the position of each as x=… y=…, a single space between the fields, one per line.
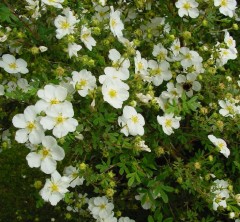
x=205 y=23
x=197 y=165
x=210 y=157
x=110 y=192
x=179 y=180
x=159 y=151
x=82 y=166
x=232 y=215
x=186 y=35
x=37 y=184
x=34 y=50
x=235 y=26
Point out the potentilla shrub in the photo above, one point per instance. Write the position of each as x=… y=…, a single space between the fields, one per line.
x=125 y=105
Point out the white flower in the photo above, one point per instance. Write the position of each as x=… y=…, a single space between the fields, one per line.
x=141 y=66
x=101 y=13
x=144 y=98
x=125 y=219
x=189 y=57
x=72 y=173
x=30 y=129
x=172 y=93
x=11 y=86
x=86 y=38
x=46 y=156
x=131 y=121
x=115 y=94
x=54 y=190
x=2 y=90
x=115 y=23
x=160 y=52
x=228 y=108
x=43 y=48
x=23 y=84
x=100 y=207
x=142 y=146
x=159 y=72
x=168 y=123
x=220 y=189
x=147 y=204
x=175 y=47
x=33 y=7
x=59 y=119
x=188 y=8
x=227 y=7
x=120 y=63
x=12 y=65
x=50 y=96
x=189 y=83
x=54 y=3
x=231 y=43
x=220 y=144
x=225 y=55
x=83 y=81
x=113 y=76
x=73 y=49
x=65 y=24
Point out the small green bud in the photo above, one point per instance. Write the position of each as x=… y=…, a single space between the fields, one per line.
x=4 y=145
x=68 y=216
x=187 y=35
x=110 y=192
x=82 y=166
x=34 y=50
x=70 y=38
x=210 y=157
x=197 y=165
x=235 y=26
x=160 y=151
x=207 y=177
x=37 y=184
x=118 y=213
x=179 y=180
x=96 y=31
x=205 y=23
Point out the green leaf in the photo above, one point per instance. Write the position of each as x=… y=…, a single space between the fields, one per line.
x=150 y=218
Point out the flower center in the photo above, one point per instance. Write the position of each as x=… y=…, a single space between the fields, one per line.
x=54 y=187
x=31 y=126
x=81 y=84
x=223 y=3
x=134 y=119
x=220 y=145
x=112 y=93
x=230 y=109
x=85 y=36
x=54 y=101
x=60 y=119
x=113 y=23
x=45 y=152
x=187 y=6
x=188 y=56
x=140 y=66
x=168 y=123
x=12 y=65
x=65 y=25
x=102 y=206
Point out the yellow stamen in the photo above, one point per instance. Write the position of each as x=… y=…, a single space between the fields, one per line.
x=187 y=6
x=54 y=187
x=60 y=119
x=112 y=93
x=12 y=65
x=31 y=126
x=223 y=3
x=65 y=25
x=134 y=119
x=168 y=123
x=54 y=101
